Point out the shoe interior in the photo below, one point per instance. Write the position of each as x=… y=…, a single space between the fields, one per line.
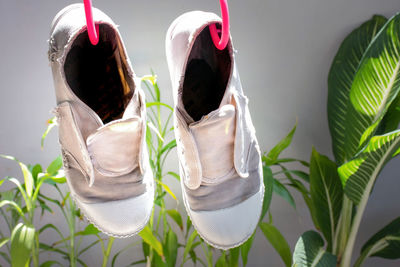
x=207 y=73
x=97 y=74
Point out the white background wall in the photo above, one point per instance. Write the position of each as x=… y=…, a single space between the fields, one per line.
x=285 y=48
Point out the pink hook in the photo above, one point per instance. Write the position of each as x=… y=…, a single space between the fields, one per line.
x=93 y=33
x=221 y=43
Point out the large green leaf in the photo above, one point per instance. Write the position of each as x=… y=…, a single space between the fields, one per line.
x=309 y=252
x=375 y=85
x=385 y=243
x=278 y=242
x=340 y=80
x=326 y=194
x=22 y=240
x=391 y=120
x=245 y=248
x=359 y=175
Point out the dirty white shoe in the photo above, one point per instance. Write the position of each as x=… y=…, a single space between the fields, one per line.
x=102 y=123
x=220 y=163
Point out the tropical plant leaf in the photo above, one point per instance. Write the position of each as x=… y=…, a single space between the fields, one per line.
x=147 y=235
x=274 y=153
x=221 y=262
x=176 y=216
x=50 y=125
x=167 y=189
x=22 y=241
x=278 y=242
x=233 y=259
x=391 y=120
x=309 y=252
x=359 y=175
x=268 y=187
x=326 y=194
x=4 y=241
x=282 y=191
x=385 y=243
x=340 y=81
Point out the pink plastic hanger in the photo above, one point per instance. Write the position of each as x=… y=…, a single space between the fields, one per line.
x=221 y=43
x=92 y=30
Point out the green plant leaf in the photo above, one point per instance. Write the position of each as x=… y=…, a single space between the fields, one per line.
x=167 y=189
x=189 y=244
x=50 y=125
x=174 y=174
x=359 y=175
x=340 y=81
x=221 y=262
x=391 y=120
x=245 y=249
x=278 y=242
x=274 y=153
x=233 y=259
x=148 y=237
x=168 y=146
x=89 y=230
x=54 y=166
x=176 y=216
x=268 y=187
x=171 y=248
x=155 y=130
x=282 y=191
x=150 y=104
x=22 y=241
x=12 y=204
x=309 y=252
x=385 y=243
x=28 y=179
x=50 y=263
x=4 y=241
x=326 y=194
x=36 y=170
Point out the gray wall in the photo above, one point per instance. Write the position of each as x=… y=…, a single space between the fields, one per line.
x=285 y=48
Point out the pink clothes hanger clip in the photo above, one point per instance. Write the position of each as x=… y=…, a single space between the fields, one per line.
x=93 y=31
x=221 y=43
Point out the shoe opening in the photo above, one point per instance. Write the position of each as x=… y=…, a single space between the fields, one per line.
x=206 y=76
x=97 y=74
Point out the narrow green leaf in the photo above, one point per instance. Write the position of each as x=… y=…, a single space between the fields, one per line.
x=36 y=170
x=168 y=146
x=148 y=237
x=50 y=263
x=340 y=81
x=176 y=216
x=4 y=241
x=268 y=187
x=326 y=194
x=282 y=191
x=22 y=240
x=359 y=175
x=174 y=174
x=189 y=243
x=167 y=189
x=155 y=130
x=274 y=153
x=150 y=104
x=233 y=259
x=171 y=248
x=245 y=248
x=89 y=230
x=309 y=252
x=50 y=125
x=278 y=242
x=221 y=262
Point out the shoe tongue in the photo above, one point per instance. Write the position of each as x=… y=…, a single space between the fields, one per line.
x=214 y=135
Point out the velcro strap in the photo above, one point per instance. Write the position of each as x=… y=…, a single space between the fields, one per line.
x=114 y=148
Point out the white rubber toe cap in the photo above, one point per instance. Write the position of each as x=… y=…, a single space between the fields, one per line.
x=230 y=227
x=120 y=218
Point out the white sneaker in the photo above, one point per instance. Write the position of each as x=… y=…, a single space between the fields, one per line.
x=102 y=123
x=220 y=163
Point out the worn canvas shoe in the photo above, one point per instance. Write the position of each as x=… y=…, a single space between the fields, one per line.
x=220 y=164
x=102 y=123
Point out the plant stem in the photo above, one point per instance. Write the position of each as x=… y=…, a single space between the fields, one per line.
x=346 y=260
x=107 y=252
x=344 y=227
x=35 y=251
x=71 y=225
